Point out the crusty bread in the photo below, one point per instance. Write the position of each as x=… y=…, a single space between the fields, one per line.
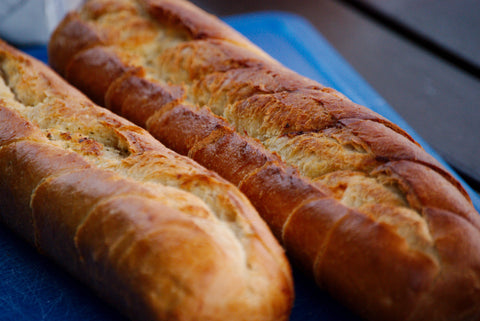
x=153 y=232
x=357 y=203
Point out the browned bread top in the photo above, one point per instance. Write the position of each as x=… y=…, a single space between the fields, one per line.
x=353 y=198
x=153 y=232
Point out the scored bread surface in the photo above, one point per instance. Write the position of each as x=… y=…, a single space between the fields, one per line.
x=153 y=232
x=354 y=199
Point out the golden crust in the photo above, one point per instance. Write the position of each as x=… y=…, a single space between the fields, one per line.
x=354 y=199
x=153 y=232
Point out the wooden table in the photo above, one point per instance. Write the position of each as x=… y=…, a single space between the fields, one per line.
x=422 y=56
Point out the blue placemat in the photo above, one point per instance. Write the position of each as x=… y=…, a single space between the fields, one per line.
x=34 y=288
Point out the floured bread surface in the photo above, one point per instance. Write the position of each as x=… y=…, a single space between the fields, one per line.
x=353 y=198
x=153 y=232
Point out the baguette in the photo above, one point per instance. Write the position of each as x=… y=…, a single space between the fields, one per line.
x=154 y=233
x=356 y=202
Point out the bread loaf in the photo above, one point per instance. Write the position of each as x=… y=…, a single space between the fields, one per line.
x=356 y=202
x=153 y=232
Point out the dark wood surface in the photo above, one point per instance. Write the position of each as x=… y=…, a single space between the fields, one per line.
x=440 y=100
x=452 y=25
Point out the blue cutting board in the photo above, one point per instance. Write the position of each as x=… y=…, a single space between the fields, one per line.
x=34 y=288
